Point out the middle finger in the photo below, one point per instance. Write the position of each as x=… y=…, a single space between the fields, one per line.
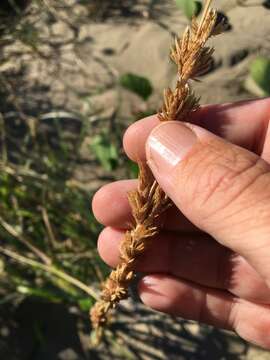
x=119 y=215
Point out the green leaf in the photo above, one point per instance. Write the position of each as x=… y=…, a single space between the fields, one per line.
x=189 y=7
x=105 y=152
x=85 y=304
x=137 y=84
x=260 y=73
x=133 y=169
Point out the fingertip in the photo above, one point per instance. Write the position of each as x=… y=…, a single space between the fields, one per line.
x=136 y=136
x=108 y=245
x=101 y=197
x=148 y=283
x=151 y=292
x=110 y=204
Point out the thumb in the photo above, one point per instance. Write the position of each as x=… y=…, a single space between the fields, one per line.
x=220 y=187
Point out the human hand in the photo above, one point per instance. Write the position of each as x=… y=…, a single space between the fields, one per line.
x=211 y=262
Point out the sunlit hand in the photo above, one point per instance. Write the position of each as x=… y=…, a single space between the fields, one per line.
x=211 y=263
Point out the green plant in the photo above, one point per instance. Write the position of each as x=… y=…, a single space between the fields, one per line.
x=45 y=222
x=106 y=144
x=260 y=74
x=189 y=7
x=137 y=84
x=105 y=151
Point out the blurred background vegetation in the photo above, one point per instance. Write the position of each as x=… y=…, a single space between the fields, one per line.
x=62 y=118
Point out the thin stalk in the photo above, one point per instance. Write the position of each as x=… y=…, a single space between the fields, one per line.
x=48 y=226
x=25 y=242
x=18 y=172
x=51 y=270
x=3 y=139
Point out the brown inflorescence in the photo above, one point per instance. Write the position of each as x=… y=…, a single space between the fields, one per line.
x=148 y=202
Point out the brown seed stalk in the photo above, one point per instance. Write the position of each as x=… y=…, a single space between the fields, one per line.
x=148 y=202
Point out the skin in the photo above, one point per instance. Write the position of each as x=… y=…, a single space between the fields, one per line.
x=212 y=261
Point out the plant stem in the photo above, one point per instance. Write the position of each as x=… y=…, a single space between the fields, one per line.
x=48 y=226
x=20 y=171
x=51 y=270
x=24 y=241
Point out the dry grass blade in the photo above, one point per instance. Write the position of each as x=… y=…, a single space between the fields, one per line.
x=149 y=202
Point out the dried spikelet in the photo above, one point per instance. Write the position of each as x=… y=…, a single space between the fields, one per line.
x=148 y=202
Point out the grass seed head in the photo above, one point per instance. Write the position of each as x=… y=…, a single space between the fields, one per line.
x=148 y=202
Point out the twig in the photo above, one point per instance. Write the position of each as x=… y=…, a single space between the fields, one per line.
x=51 y=270
x=19 y=171
x=10 y=229
x=3 y=139
x=48 y=226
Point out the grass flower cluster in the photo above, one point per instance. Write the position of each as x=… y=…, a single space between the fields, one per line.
x=148 y=203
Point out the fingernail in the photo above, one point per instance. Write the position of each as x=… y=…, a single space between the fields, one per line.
x=147 y=289
x=148 y=281
x=168 y=144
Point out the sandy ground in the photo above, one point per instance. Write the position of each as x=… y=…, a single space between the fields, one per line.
x=99 y=52
x=83 y=59
x=79 y=73
x=89 y=59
